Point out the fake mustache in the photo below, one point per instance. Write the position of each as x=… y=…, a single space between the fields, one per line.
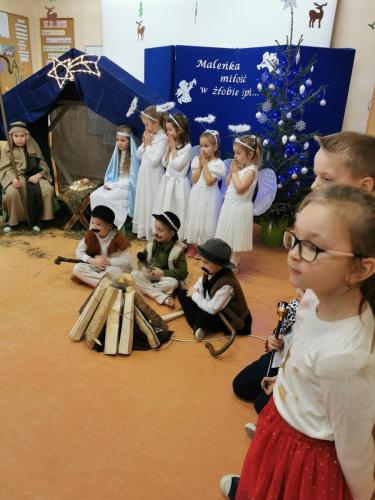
x=205 y=270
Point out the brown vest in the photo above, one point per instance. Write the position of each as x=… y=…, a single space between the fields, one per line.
x=118 y=244
x=236 y=310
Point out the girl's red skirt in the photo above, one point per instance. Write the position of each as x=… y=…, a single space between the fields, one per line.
x=284 y=464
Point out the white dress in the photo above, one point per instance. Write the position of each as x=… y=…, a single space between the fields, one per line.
x=204 y=204
x=174 y=187
x=149 y=177
x=116 y=197
x=235 y=225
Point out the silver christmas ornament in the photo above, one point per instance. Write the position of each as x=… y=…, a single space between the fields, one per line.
x=308 y=82
x=289 y=114
x=292 y=138
x=306 y=146
x=271 y=86
x=259 y=87
x=294 y=176
x=265 y=142
x=284 y=139
x=302 y=89
x=304 y=170
x=298 y=56
x=280 y=123
x=280 y=186
x=323 y=102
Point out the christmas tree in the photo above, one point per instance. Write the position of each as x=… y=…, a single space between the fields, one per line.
x=287 y=87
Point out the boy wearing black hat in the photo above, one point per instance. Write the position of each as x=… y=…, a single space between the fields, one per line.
x=103 y=250
x=163 y=262
x=216 y=291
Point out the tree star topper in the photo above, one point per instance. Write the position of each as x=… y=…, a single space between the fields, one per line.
x=63 y=71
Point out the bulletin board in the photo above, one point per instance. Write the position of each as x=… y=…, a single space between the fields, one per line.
x=57 y=37
x=15 y=50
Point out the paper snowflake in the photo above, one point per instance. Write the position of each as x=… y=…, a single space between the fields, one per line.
x=267 y=106
x=300 y=125
x=261 y=117
x=289 y=3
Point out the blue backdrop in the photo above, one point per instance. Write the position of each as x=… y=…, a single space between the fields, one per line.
x=223 y=82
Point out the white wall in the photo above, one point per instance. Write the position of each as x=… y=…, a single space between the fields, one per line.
x=351 y=30
x=219 y=23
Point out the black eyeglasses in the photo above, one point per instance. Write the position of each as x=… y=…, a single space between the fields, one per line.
x=307 y=250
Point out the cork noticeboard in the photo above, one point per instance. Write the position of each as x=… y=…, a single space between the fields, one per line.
x=57 y=37
x=15 y=50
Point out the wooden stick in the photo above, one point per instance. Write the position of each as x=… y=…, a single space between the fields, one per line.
x=127 y=328
x=172 y=316
x=146 y=328
x=100 y=317
x=229 y=342
x=12 y=159
x=113 y=325
x=79 y=328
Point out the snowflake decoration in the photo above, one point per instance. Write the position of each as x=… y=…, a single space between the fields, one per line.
x=264 y=76
x=267 y=106
x=289 y=3
x=261 y=117
x=300 y=125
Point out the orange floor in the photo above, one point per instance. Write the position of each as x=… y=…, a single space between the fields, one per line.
x=76 y=424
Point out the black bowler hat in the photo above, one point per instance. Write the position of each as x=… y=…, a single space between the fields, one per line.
x=103 y=213
x=217 y=251
x=170 y=219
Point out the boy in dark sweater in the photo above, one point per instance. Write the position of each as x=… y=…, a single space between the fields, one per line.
x=216 y=291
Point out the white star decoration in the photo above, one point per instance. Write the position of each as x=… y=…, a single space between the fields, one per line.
x=62 y=71
x=289 y=3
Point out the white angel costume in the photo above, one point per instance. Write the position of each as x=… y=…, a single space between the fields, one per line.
x=149 y=177
x=122 y=184
x=204 y=204
x=235 y=225
x=174 y=187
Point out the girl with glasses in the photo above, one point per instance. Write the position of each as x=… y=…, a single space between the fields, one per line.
x=314 y=437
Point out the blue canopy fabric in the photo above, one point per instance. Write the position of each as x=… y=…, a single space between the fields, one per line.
x=109 y=95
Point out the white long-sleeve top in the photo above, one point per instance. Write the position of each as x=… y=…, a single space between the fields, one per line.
x=120 y=258
x=179 y=166
x=217 y=302
x=153 y=153
x=325 y=388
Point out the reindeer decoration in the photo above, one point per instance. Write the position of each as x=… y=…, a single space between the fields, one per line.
x=316 y=15
x=140 y=29
x=51 y=16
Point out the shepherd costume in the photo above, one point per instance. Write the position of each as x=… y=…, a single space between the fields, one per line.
x=170 y=256
x=220 y=292
x=114 y=246
x=29 y=161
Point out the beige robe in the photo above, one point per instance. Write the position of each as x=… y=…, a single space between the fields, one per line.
x=11 y=198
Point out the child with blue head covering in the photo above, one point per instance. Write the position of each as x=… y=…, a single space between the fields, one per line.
x=118 y=191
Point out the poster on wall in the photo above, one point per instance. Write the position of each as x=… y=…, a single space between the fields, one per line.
x=224 y=83
x=130 y=29
x=57 y=36
x=15 y=50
